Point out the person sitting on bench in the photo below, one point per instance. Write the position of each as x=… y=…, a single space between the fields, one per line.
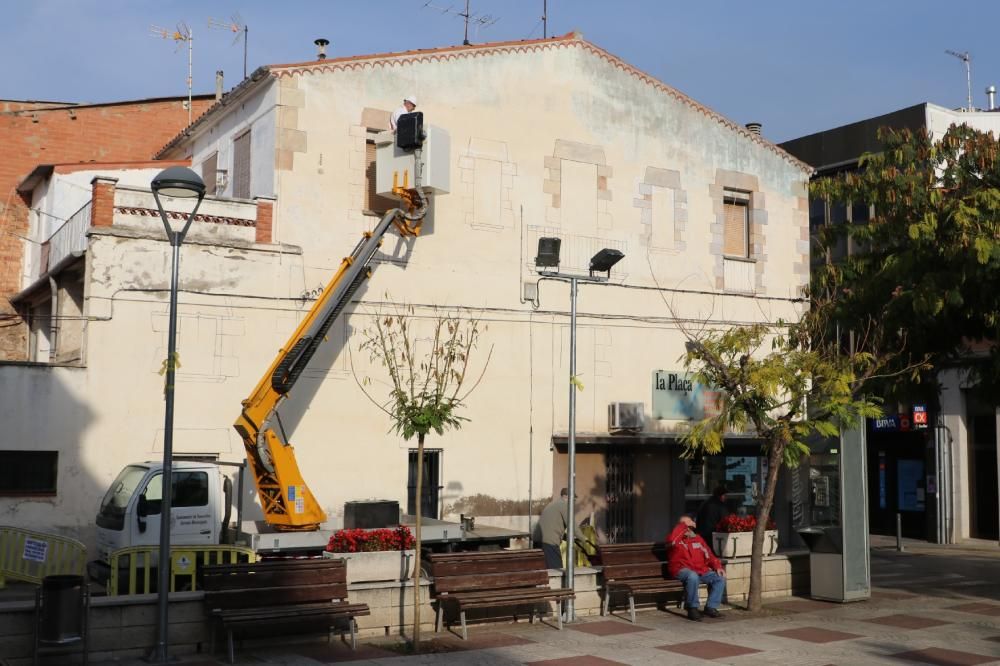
x=693 y=563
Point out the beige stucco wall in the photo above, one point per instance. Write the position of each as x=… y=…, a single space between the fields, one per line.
x=552 y=141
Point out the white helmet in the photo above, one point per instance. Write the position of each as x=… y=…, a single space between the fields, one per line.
x=411 y=99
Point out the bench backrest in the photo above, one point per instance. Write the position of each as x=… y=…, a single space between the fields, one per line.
x=274 y=583
x=487 y=570
x=634 y=560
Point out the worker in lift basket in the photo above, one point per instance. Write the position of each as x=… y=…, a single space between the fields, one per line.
x=409 y=104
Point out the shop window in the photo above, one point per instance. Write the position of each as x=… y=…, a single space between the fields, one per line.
x=743 y=477
x=28 y=472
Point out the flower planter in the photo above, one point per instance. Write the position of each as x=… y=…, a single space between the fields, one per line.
x=740 y=544
x=386 y=565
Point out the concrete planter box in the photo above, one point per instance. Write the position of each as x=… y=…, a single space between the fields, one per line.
x=391 y=565
x=739 y=544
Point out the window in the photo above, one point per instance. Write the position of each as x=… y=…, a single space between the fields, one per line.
x=431 y=487
x=209 y=173
x=241 y=166
x=373 y=202
x=736 y=238
x=190 y=489
x=28 y=472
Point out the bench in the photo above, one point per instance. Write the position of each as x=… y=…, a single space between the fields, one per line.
x=285 y=596
x=637 y=569
x=492 y=578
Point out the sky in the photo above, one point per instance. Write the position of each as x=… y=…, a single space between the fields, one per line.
x=797 y=66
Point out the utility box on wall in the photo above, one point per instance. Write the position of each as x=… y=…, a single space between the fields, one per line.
x=392 y=160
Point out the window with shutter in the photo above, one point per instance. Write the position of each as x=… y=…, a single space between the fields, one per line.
x=241 y=166
x=209 y=169
x=373 y=202
x=736 y=235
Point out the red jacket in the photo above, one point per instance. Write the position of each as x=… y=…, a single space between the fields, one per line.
x=689 y=552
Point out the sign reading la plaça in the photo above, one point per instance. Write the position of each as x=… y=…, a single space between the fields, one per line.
x=677 y=397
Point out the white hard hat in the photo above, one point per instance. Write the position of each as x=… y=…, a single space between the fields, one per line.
x=411 y=99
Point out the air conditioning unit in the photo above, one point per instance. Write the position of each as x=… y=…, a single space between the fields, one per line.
x=625 y=416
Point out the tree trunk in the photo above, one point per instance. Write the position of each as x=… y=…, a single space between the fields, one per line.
x=775 y=453
x=417 y=540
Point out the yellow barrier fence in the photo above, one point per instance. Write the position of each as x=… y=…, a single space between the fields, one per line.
x=31 y=556
x=132 y=568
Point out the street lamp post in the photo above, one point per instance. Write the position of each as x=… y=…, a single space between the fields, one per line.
x=602 y=262
x=177 y=182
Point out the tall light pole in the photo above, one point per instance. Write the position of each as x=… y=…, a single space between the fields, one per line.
x=183 y=183
x=602 y=262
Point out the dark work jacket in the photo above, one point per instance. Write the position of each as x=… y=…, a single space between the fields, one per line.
x=711 y=512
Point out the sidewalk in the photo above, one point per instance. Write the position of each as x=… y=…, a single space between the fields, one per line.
x=934 y=606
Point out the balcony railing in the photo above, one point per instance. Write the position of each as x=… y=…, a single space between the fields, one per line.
x=69 y=238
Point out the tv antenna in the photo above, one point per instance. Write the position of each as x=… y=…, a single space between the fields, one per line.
x=235 y=25
x=181 y=34
x=967 y=59
x=477 y=20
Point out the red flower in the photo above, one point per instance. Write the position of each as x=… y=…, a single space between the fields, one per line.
x=367 y=541
x=736 y=523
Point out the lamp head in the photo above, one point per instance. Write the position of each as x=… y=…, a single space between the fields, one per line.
x=548 y=253
x=178 y=182
x=604 y=261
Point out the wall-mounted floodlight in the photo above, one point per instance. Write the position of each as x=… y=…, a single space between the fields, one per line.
x=548 y=253
x=603 y=261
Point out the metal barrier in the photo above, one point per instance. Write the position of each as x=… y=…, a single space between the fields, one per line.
x=31 y=556
x=131 y=568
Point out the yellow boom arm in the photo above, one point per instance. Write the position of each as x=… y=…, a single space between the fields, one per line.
x=286 y=500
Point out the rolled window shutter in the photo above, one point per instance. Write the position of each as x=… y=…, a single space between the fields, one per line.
x=735 y=239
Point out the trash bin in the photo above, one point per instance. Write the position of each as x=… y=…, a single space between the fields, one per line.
x=61 y=605
x=826 y=562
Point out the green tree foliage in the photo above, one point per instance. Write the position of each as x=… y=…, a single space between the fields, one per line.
x=926 y=264
x=786 y=396
x=427 y=363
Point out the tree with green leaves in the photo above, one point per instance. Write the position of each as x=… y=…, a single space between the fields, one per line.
x=785 y=396
x=427 y=362
x=925 y=257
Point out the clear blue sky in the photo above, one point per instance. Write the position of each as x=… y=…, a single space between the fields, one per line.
x=798 y=66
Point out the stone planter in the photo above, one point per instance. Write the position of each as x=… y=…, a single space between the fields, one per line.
x=387 y=565
x=739 y=544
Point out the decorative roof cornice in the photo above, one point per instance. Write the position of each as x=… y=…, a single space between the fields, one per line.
x=174 y=215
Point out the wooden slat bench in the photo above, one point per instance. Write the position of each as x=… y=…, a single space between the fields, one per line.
x=486 y=579
x=285 y=596
x=636 y=569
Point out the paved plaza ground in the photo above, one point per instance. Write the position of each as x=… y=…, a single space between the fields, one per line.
x=930 y=605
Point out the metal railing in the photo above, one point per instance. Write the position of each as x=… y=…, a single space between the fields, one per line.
x=70 y=237
x=133 y=568
x=31 y=556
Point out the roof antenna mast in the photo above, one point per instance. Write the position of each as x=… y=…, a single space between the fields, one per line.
x=545 y=19
x=967 y=59
x=477 y=20
x=236 y=25
x=182 y=34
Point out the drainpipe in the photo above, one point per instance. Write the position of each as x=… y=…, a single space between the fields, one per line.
x=53 y=325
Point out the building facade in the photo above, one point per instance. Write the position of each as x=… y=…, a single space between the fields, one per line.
x=937 y=471
x=551 y=137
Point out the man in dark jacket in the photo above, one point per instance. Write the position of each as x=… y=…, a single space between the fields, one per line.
x=712 y=511
x=692 y=562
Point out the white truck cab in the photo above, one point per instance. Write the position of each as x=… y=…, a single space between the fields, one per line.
x=130 y=511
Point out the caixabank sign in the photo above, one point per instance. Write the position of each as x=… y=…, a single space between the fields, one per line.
x=677 y=397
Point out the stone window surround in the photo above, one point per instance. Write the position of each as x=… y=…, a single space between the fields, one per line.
x=552 y=185
x=496 y=151
x=749 y=184
x=668 y=179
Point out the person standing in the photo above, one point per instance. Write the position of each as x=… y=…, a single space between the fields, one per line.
x=408 y=106
x=692 y=562
x=711 y=513
x=552 y=527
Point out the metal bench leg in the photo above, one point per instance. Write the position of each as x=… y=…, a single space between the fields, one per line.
x=531 y=616
x=438 y=619
x=631 y=606
x=354 y=634
x=465 y=633
x=232 y=657
x=606 y=602
x=562 y=606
